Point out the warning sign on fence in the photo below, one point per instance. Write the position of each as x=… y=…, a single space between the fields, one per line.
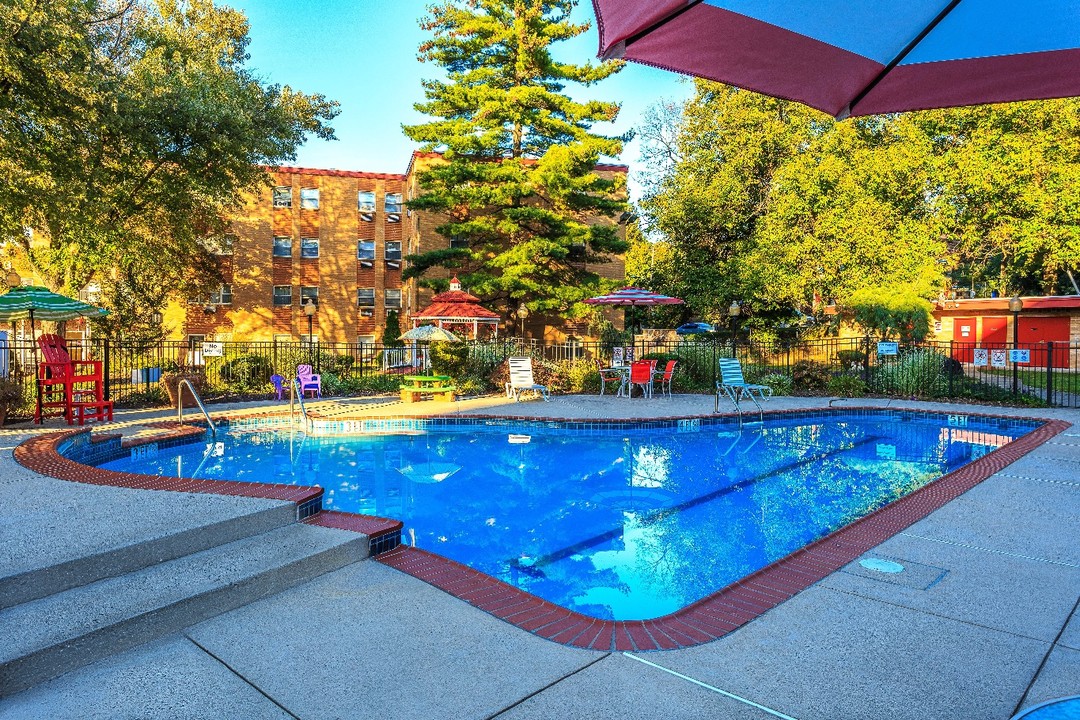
x=981 y=357
x=997 y=358
x=1020 y=356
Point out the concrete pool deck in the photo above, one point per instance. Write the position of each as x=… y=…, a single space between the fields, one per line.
x=984 y=621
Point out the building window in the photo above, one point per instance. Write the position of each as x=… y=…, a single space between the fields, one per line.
x=392 y=301
x=220 y=244
x=365 y=252
x=309 y=198
x=309 y=293
x=282 y=295
x=393 y=251
x=392 y=206
x=459 y=242
x=365 y=297
x=365 y=339
x=281 y=338
x=365 y=201
x=283 y=196
x=222 y=296
x=576 y=251
x=309 y=247
x=283 y=247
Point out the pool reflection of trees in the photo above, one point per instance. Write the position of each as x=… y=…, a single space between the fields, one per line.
x=667 y=517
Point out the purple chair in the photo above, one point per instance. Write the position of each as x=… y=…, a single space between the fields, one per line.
x=279 y=386
x=309 y=382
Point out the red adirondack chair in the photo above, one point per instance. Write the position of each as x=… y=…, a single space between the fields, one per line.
x=72 y=387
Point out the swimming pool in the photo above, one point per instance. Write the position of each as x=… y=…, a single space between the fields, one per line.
x=613 y=521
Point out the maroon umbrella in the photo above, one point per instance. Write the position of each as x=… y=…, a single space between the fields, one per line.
x=633 y=296
x=849 y=57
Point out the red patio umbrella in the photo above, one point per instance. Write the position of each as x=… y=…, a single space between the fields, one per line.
x=633 y=297
x=853 y=57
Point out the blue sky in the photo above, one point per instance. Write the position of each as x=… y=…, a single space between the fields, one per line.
x=362 y=53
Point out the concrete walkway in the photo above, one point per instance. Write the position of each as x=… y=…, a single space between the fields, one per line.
x=983 y=622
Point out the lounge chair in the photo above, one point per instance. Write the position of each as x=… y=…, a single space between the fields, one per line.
x=611 y=374
x=309 y=382
x=733 y=385
x=521 y=379
x=665 y=377
x=641 y=373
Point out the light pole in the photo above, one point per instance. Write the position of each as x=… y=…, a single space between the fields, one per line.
x=523 y=315
x=1015 y=306
x=733 y=312
x=310 y=308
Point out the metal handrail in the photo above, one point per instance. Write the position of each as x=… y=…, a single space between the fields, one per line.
x=198 y=401
x=296 y=393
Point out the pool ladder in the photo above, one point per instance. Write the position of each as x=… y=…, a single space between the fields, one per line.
x=295 y=393
x=735 y=397
x=180 y=404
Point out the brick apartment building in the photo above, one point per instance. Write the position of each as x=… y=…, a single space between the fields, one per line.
x=336 y=239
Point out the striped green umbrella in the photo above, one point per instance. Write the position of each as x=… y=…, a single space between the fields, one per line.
x=38 y=303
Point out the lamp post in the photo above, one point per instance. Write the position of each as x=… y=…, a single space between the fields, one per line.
x=733 y=312
x=310 y=308
x=1015 y=306
x=523 y=315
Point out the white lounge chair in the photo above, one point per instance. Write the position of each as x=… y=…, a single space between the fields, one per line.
x=521 y=379
x=732 y=384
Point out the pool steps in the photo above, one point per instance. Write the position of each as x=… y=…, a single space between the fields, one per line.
x=44 y=581
x=168 y=584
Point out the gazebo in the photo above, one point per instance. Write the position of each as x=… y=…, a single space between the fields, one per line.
x=458 y=309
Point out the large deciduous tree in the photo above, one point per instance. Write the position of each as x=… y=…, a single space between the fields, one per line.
x=128 y=128
x=766 y=201
x=517 y=182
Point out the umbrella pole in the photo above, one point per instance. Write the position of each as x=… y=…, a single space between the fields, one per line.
x=37 y=378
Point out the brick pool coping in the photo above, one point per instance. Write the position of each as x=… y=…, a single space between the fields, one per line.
x=703 y=621
x=733 y=606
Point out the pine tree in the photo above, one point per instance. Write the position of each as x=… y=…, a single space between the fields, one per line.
x=517 y=182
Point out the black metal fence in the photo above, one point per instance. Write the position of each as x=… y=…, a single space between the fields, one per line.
x=1029 y=374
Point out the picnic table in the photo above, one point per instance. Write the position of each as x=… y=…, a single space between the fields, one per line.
x=414 y=387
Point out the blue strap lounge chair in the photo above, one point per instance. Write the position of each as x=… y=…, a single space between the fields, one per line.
x=732 y=384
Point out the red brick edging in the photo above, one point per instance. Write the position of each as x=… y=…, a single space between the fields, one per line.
x=41 y=455
x=729 y=608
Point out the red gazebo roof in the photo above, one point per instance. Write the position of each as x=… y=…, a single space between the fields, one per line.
x=455 y=304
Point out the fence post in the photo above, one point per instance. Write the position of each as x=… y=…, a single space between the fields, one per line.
x=866 y=361
x=107 y=385
x=951 y=365
x=1050 y=374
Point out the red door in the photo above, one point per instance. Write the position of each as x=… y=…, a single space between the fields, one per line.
x=995 y=332
x=1035 y=332
x=963 y=336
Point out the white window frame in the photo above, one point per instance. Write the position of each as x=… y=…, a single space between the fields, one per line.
x=306 y=294
x=309 y=241
x=277 y=199
x=274 y=247
x=309 y=198
x=386 y=299
x=274 y=296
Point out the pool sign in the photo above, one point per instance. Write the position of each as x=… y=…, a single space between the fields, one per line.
x=888 y=348
x=1020 y=356
x=997 y=358
x=212 y=349
x=982 y=357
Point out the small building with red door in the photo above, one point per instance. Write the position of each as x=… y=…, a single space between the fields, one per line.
x=988 y=323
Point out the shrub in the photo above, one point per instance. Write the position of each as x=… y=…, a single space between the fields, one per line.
x=449 y=358
x=847 y=385
x=809 y=376
x=918 y=372
x=247 y=371
x=851 y=358
x=780 y=383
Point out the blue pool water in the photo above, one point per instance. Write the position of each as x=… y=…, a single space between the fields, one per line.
x=616 y=524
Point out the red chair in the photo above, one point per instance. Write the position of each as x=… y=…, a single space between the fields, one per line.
x=665 y=377
x=74 y=387
x=641 y=373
